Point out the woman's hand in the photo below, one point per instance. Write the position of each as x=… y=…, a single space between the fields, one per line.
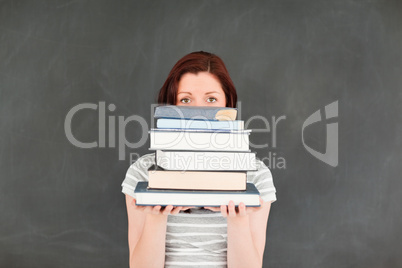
x=231 y=211
x=158 y=210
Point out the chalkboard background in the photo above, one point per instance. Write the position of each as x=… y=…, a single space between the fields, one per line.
x=61 y=205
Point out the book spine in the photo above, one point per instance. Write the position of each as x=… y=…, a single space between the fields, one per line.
x=192 y=112
x=194 y=160
x=183 y=113
x=204 y=141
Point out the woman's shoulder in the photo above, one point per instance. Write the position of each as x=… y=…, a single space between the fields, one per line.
x=138 y=171
x=261 y=169
x=263 y=181
x=143 y=162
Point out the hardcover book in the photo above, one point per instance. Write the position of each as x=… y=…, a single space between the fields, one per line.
x=196 y=112
x=199 y=124
x=205 y=160
x=198 y=198
x=159 y=178
x=203 y=140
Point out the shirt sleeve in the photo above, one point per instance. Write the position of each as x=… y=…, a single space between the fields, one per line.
x=138 y=171
x=263 y=181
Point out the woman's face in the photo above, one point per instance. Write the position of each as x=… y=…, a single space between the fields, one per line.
x=201 y=89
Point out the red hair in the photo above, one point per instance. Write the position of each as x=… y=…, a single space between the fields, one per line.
x=194 y=63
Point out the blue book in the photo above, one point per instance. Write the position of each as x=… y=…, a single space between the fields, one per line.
x=146 y=196
x=196 y=112
x=199 y=124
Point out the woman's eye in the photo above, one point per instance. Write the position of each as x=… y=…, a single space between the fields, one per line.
x=185 y=100
x=211 y=100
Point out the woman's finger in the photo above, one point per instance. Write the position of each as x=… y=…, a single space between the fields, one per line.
x=156 y=209
x=147 y=209
x=168 y=209
x=224 y=211
x=141 y=208
x=176 y=210
x=231 y=209
x=242 y=209
x=261 y=201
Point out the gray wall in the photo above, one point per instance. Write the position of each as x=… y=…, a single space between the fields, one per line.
x=61 y=205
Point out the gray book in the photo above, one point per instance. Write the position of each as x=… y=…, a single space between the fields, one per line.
x=196 y=112
x=146 y=196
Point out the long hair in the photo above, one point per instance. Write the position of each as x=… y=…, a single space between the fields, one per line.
x=194 y=63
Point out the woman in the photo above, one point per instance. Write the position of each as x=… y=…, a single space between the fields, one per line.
x=211 y=237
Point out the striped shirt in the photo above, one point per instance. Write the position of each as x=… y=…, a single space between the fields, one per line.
x=199 y=238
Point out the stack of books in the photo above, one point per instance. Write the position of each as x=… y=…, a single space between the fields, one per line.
x=202 y=157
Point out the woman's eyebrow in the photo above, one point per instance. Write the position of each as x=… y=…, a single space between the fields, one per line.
x=184 y=92
x=212 y=92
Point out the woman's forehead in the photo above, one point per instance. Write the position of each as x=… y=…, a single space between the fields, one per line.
x=201 y=81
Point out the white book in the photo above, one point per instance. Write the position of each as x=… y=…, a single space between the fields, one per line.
x=152 y=197
x=205 y=160
x=202 y=140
